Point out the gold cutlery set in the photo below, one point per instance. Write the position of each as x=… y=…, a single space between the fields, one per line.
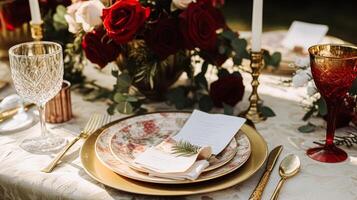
x=289 y=167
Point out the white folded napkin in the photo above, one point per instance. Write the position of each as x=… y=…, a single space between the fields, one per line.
x=191 y=174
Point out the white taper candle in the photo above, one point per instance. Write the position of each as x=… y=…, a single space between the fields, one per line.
x=35 y=12
x=257 y=25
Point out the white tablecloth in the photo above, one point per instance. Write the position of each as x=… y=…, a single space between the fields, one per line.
x=20 y=176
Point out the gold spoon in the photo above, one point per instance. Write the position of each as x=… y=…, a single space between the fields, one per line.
x=288 y=168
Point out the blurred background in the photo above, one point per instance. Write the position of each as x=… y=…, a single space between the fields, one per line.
x=340 y=16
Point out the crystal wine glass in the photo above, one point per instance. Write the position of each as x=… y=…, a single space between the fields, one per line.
x=334 y=68
x=37 y=73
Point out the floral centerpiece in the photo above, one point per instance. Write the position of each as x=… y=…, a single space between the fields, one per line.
x=152 y=43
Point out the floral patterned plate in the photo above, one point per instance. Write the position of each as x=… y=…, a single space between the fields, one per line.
x=103 y=152
x=140 y=134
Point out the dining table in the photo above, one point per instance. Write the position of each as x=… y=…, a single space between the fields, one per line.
x=21 y=177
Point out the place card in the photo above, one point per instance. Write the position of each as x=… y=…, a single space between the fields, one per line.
x=302 y=34
x=213 y=130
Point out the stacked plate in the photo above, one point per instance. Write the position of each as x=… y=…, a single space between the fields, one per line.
x=108 y=156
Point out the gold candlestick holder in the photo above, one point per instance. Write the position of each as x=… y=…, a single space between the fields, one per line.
x=36 y=31
x=253 y=112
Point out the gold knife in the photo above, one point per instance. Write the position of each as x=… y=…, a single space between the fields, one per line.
x=273 y=157
x=7 y=114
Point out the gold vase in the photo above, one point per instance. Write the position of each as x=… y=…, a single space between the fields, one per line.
x=166 y=74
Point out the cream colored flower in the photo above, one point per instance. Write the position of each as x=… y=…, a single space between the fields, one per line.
x=180 y=4
x=73 y=26
x=89 y=14
x=84 y=15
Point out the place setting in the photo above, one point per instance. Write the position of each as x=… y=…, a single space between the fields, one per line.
x=146 y=99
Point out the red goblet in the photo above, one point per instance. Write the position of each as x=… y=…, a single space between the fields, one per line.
x=334 y=68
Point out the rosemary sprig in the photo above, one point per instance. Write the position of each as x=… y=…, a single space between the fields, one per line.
x=184 y=148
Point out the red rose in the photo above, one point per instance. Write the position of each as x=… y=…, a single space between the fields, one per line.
x=199 y=23
x=164 y=37
x=97 y=49
x=228 y=89
x=123 y=19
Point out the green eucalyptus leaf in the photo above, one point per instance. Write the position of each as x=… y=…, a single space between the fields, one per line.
x=228 y=110
x=266 y=111
x=353 y=89
x=308 y=128
x=111 y=109
x=239 y=46
x=245 y=54
x=124 y=80
x=124 y=107
x=205 y=103
x=132 y=99
x=266 y=57
x=309 y=113
x=275 y=59
x=118 y=97
x=322 y=106
x=228 y=34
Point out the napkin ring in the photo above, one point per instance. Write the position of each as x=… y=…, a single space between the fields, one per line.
x=59 y=109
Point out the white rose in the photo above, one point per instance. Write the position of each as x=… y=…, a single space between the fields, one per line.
x=311 y=88
x=85 y=15
x=301 y=78
x=180 y=4
x=73 y=26
x=89 y=14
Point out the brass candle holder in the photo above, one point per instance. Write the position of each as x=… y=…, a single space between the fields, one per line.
x=253 y=112
x=36 y=31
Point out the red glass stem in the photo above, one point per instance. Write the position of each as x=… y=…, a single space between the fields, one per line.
x=331 y=123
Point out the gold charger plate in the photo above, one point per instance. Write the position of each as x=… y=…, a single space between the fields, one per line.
x=104 y=175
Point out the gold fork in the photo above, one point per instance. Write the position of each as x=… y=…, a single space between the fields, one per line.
x=94 y=122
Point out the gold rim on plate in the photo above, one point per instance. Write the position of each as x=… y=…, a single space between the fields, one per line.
x=95 y=169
